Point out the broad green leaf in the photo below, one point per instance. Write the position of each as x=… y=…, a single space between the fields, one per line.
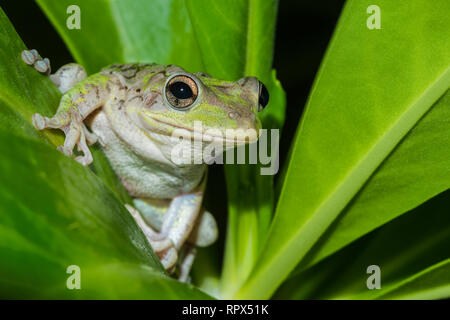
x=127 y=31
x=371 y=90
x=416 y=170
x=229 y=40
x=55 y=213
x=403 y=249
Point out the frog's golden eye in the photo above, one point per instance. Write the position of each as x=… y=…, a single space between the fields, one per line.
x=181 y=91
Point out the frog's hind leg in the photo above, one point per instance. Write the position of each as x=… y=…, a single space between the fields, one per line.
x=204 y=233
x=162 y=246
x=181 y=217
x=65 y=77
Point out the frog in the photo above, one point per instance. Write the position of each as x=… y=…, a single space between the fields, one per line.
x=132 y=111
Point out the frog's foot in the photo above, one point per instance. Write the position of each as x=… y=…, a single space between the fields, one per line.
x=64 y=78
x=32 y=58
x=75 y=131
x=161 y=245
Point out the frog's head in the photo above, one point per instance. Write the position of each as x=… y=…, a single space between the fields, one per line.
x=179 y=100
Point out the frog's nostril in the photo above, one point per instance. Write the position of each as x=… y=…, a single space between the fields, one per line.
x=263 y=96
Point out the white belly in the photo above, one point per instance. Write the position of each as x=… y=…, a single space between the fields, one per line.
x=144 y=177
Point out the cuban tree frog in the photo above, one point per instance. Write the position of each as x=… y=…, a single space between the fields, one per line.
x=133 y=111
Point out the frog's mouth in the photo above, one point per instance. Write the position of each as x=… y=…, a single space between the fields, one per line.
x=235 y=137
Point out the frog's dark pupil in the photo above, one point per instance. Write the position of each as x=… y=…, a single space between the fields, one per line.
x=181 y=90
x=263 y=95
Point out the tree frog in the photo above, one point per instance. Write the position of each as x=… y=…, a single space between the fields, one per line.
x=132 y=110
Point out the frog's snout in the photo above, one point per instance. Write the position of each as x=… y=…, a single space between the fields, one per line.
x=258 y=90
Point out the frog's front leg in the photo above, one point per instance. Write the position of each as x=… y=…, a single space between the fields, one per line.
x=76 y=104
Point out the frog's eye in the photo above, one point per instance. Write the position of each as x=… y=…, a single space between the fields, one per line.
x=263 y=96
x=181 y=91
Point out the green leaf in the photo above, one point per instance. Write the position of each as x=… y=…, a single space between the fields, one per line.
x=432 y=283
x=49 y=223
x=404 y=249
x=23 y=90
x=372 y=89
x=127 y=31
x=55 y=213
x=415 y=171
x=228 y=40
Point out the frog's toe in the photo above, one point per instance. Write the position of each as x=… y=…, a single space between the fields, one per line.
x=169 y=259
x=39 y=122
x=187 y=257
x=91 y=137
x=66 y=151
x=85 y=160
x=43 y=66
x=30 y=56
x=72 y=138
x=161 y=245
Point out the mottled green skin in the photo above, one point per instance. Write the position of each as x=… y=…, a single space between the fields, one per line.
x=143 y=84
x=218 y=98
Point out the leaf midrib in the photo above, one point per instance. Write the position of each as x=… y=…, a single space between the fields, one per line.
x=347 y=188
